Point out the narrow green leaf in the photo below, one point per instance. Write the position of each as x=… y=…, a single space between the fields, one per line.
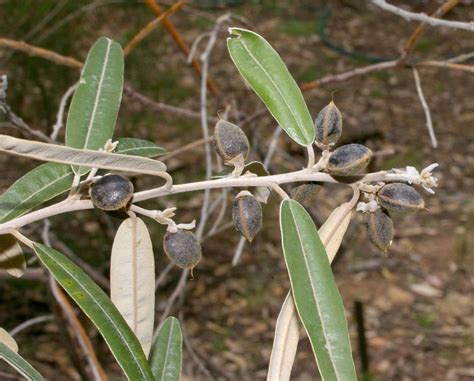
x=167 y=351
x=19 y=363
x=37 y=186
x=99 y=308
x=139 y=147
x=265 y=72
x=95 y=104
x=316 y=296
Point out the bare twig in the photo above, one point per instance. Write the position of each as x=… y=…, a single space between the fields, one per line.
x=426 y=109
x=440 y=12
x=186 y=148
x=152 y=25
x=176 y=293
x=205 y=58
x=156 y=9
x=29 y=323
x=422 y=17
x=163 y=275
x=60 y=115
x=461 y=58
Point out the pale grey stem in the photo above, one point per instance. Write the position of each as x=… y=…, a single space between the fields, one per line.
x=60 y=115
x=29 y=323
x=461 y=58
x=426 y=108
x=422 y=17
x=205 y=58
x=305 y=175
x=238 y=251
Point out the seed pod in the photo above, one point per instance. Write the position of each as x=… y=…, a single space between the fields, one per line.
x=111 y=192
x=349 y=159
x=379 y=228
x=230 y=141
x=400 y=198
x=328 y=125
x=182 y=248
x=305 y=193
x=247 y=215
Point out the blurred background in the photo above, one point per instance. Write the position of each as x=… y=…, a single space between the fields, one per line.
x=416 y=300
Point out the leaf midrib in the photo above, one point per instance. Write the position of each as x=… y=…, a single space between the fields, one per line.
x=314 y=292
x=98 y=93
x=51 y=184
x=302 y=129
x=117 y=329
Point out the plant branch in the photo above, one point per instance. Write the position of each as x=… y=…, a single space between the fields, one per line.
x=422 y=17
x=304 y=175
x=426 y=109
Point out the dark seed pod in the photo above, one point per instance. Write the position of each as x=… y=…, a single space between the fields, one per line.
x=400 y=198
x=349 y=159
x=182 y=248
x=328 y=125
x=230 y=141
x=379 y=228
x=111 y=192
x=305 y=193
x=247 y=215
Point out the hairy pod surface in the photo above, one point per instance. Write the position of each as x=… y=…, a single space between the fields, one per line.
x=247 y=215
x=111 y=192
x=349 y=159
x=400 y=198
x=305 y=193
x=230 y=141
x=328 y=125
x=379 y=228
x=182 y=248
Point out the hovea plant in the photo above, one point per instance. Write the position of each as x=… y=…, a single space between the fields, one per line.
x=125 y=319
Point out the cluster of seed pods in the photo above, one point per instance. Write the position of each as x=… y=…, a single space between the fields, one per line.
x=352 y=159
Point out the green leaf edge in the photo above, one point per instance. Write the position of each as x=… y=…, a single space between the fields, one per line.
x=51 y=258
x=334 y=376
x=154 y=356
x=236 y=34
x=19 y=363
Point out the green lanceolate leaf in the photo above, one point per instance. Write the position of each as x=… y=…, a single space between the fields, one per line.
x=37 y=186
x=95 y=104
x=267 y=75
x=316 y=296
x=139 y=147
x=167 y=351
x=19 y=363
x=99 y=308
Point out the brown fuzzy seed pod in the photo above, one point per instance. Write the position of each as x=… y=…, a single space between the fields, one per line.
x=305 y=193
x=230 y=141
x=328 y=125
x=247 y=215
x=379 y=228
x=349 y=159
x=400 y=198
x=111 y=192
x=182 y=248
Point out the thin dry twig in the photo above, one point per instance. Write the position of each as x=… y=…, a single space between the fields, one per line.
x=29 y=323
x=422 y=17
x=151 y=26
x=156 y=9
x=62 y=108
x=426 y=108
x=440 y=12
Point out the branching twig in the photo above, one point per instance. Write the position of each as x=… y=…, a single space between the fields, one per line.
x=62 y=107
x=156 y=9
x=422 y=17
x=29 y=323
x=426 y=108
x=148 y=28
